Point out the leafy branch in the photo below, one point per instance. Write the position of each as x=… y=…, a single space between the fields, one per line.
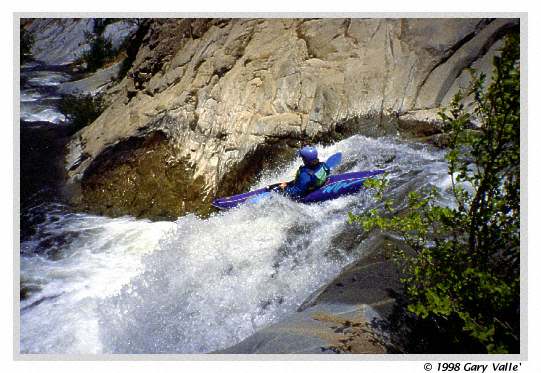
x=465 y=270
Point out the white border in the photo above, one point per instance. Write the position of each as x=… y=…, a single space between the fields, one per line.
x=524 y=129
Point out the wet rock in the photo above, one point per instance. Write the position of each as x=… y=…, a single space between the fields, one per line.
x=142 y=176
x=93 y=84
x=224 y=91
x=420 y=123
x=322 y=330
x=344 y=316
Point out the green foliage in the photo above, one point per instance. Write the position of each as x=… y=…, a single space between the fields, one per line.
x=101 y=50
x=27 y=41
x=80 y=111
x=465 y=270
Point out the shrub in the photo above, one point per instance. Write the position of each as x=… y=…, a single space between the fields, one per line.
x=465 y=274
x=101 y=50
x=80 y=111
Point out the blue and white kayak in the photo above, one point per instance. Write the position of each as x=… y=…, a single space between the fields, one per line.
x=336 y=186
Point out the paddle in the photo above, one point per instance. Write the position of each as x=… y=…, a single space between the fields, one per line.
x=334 y=160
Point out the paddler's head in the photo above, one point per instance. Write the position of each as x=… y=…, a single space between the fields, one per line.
x=309 y=155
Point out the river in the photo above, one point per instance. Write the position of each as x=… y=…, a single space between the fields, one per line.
x=93 y=284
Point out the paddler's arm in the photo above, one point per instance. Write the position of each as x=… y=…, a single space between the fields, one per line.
x=298 y=188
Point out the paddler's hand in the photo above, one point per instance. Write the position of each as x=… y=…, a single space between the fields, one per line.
x=283 y=185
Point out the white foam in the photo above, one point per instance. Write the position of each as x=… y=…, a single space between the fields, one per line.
x=44 y=115
x=104 y=255
x=197 y=285
x=47 y=78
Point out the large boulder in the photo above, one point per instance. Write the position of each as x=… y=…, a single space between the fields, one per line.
x=62 y=41
x=59 y=41
x=225 y=96
x=118 y=32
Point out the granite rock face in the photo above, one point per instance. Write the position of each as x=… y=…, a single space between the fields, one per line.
x=61 y=41
x=118 y=32
x=229 y=95
x=93 y=84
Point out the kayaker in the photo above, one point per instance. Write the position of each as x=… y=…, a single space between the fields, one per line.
x=312 y=175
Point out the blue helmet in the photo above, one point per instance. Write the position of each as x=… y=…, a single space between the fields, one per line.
x=308 y=154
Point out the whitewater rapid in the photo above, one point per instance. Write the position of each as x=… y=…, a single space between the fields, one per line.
x=103 y=285
x=39 y=96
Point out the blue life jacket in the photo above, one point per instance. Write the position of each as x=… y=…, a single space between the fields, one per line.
x=307 y=180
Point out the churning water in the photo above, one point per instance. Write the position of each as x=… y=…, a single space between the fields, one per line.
x=39 y=93
x=93 y=284
x=102 y=285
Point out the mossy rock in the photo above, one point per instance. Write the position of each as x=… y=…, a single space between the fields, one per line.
x=138 y=178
